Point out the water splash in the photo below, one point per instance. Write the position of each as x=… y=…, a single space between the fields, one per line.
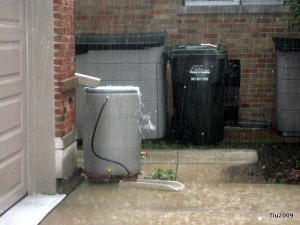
x=146 y=123
x=145 y=119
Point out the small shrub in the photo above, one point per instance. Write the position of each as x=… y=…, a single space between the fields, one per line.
x=295 y=10
x=160 y=174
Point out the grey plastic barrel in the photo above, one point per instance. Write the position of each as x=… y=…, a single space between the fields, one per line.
x=287 y=86
x=126 y=60
x=117 y=136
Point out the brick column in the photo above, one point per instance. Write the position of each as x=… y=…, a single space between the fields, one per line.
x=65 y=87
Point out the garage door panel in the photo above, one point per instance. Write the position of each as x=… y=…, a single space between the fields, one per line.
x=9 y=58
x=13 y=173
x=10 y=10
x=10 y=35
x=11 y=116
x=11 y=143
x=9 y=89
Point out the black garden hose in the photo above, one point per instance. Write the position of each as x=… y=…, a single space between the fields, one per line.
x=93 y=137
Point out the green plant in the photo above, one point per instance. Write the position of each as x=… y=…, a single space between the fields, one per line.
x=297 y=164
x=169 y=174
x=295 y=9
x=263 y=167
x=276 y=181
x=160 y=174
x=279 y=174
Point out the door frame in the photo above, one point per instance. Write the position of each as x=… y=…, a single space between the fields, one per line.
x=40 y=97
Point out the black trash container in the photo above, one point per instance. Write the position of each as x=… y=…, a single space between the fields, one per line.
x=198 y=93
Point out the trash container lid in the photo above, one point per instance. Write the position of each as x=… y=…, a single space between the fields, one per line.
x=112 y=89
x=88 y=41
x=202 y=49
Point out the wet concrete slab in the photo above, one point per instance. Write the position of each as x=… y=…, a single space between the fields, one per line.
x=216 y=192
x=202 y=156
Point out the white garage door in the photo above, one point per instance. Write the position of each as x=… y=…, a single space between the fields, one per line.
x=13 y=168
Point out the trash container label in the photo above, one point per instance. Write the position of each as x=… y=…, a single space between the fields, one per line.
x=200 y=73
x=199 y=78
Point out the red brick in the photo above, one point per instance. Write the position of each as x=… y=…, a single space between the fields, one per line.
x=59 y=133
x=191 y=21
x=264 y=20
x=249 y=70
x=215 y=20
x=265 y=60
x=58 y=103
x=210 y=35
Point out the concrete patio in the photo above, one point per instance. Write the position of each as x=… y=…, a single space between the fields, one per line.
x=222 y=187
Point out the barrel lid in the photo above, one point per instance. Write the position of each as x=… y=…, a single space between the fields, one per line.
x=112 y=89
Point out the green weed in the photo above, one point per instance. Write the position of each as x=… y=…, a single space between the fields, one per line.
x=160 y=174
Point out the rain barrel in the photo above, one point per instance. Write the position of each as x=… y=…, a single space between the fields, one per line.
x=111 y=137
x=126 y=60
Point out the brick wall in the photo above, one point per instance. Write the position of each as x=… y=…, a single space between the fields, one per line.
x=248 y=37
x=64 y=53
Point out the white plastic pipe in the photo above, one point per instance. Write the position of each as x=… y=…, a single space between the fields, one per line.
x=87 y=81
